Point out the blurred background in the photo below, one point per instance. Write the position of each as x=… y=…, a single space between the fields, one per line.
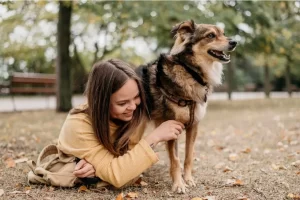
x=64 y=39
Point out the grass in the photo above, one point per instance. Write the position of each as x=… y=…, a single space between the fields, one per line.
x=245 y=149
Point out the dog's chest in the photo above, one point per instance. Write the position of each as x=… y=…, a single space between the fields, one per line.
x=184 y=114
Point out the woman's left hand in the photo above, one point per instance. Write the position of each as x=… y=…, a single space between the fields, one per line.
x=84 y=169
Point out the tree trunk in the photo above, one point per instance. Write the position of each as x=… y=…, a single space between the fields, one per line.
x=288 y=76
x=63 y=65
x=267 y=80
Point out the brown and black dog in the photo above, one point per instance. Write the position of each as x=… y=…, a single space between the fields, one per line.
x=177 y=86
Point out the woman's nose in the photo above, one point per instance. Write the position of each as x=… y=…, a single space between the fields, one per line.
x=132 y=106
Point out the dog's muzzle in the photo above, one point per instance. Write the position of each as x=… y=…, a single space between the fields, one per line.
x=232 y=45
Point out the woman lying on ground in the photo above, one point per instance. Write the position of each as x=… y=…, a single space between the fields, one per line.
x=106 y=133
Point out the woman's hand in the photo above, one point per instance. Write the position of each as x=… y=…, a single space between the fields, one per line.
x=84 y=169
x=168 y=130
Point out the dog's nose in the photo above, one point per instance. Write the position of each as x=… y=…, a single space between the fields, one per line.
x=232 y=43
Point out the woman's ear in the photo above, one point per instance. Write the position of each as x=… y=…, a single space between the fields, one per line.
x=184 y=29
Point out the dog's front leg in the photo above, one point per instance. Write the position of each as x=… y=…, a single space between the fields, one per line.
x=175 y=171
x=191 y=134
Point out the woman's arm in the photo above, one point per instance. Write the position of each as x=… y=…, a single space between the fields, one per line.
x=77 y=138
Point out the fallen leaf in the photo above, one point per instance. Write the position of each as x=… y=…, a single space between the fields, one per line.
x=219 y=165
x=120 y=196
x=233 y=157
x=170 y=195
x=282 y=167
x=298 y=173
x=296 y=163
x=132 y=195
x=276 y=167
x=21 y=160
x=27 y=188
x=247 y=150
x=51 y=189
x=1 y=192
x=227 y=169
x=10 y=163
x=145 y=190
x=143 y=183
x=83 y=188
x=209 y=198
x=234 y=182
x=21 y=154
x=293 y=196
x=196 y=198
x=243 y=198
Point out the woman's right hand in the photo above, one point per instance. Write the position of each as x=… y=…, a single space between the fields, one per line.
x=168 y=130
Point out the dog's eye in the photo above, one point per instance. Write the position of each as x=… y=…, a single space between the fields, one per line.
x=211 y=35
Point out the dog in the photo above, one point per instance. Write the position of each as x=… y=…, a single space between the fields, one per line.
x=177 y=86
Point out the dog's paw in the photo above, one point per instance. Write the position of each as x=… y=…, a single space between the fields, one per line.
x=189 y=181
x=180 y=187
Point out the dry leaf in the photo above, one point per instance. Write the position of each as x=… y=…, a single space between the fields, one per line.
x=21 y=154
x=234 y=182
x=293 y=196
x=233 y=157
x=219 y=165
x=27 y=188
x=1 y=192
x=196 y=198
x=209 y=198
x=132 y=195
x=227 y=169
x=296 y=163
x=243 y=198
x=247 y=150
x=276 y=167
x=20 y=160
x=145 y=190
x=120 y=196
x=143 y=183
x=83 y=188
x=51 y=189
x=10 y=163
x=298 y=173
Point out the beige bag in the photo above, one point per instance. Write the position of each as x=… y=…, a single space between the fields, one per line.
x=53 y=168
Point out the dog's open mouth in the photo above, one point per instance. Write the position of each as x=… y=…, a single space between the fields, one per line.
x=220 y=55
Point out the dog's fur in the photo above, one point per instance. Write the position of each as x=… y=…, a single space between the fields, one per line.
x=178 y=83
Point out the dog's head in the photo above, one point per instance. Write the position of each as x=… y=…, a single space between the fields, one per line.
x=204 y=41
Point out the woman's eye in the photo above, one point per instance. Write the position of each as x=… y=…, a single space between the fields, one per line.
x=211 y=35
x=122 y=104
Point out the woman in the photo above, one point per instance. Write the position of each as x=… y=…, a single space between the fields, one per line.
x=106 y=133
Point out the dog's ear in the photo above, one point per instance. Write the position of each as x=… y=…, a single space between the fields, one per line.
x=183 y=28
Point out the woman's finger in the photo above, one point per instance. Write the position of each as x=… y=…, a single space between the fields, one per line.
x=87 y=174
x=81 y=171
x=80 y=164
x=178 y=127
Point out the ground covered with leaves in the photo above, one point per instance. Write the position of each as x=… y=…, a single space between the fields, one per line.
x=244 y=150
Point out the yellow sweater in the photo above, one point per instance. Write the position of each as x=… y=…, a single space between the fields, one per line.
x=77 y=138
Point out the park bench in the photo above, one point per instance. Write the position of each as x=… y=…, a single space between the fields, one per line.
x=32 y=83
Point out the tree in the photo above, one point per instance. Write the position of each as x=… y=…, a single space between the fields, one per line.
x=63 y=67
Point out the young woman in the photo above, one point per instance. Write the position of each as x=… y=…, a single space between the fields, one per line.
x=106 y=133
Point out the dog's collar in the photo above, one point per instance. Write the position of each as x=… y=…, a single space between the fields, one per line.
x=191 y=70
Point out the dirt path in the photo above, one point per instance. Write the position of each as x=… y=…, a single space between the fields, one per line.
x=245 y=150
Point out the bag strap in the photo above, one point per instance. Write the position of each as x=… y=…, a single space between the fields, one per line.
x=47 y=151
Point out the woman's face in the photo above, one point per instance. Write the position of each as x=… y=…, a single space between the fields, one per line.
x=124 y=101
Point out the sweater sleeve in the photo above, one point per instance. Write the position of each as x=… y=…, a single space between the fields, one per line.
x=77 y=138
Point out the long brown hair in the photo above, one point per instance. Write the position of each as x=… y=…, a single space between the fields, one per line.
x=106 y=78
